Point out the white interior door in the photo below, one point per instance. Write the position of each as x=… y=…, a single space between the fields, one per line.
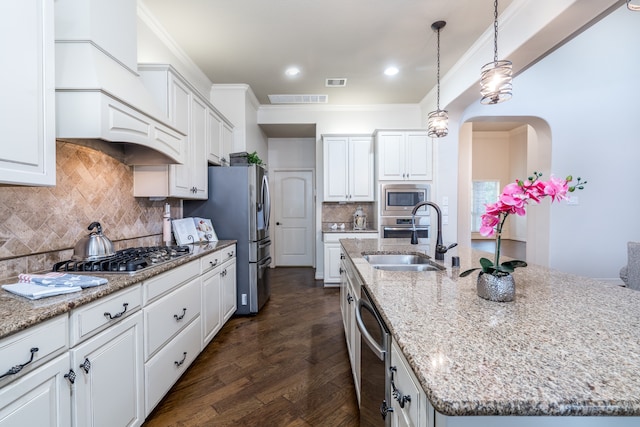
x=293 y=214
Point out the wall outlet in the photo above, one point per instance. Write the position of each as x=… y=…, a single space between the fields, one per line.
x=445 y=219
x=445 y=201
x=244 y=299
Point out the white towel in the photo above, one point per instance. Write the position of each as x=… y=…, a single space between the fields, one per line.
x=33 y=291
x=62 y=279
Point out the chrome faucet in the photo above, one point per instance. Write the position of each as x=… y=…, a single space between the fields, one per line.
x=440 y=248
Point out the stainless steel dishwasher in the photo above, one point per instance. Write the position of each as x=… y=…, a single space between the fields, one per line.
x=375 y=351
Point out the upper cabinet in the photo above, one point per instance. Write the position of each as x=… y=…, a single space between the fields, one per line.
x=404 y=156
x=348 y=169
x=28 y=150
x=205 y=128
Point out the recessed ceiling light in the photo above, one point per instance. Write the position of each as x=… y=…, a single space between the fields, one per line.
x=391 y=71
x=292 y=71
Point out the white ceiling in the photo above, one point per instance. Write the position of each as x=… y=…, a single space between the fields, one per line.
x=254 y=41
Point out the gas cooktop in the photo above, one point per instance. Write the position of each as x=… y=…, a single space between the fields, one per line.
x=129 y=260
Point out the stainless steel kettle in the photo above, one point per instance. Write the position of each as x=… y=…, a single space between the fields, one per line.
x=95 y=246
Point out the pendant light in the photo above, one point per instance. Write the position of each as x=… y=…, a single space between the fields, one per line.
x=495 y=78
x=438 y=120
x=633 y=5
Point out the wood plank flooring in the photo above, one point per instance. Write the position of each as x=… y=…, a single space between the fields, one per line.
x=287 y=366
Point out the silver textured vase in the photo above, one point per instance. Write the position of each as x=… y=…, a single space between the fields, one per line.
x=496 y=288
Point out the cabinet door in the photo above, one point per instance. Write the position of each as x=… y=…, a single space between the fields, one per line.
x=229 y=297
x=211 y=305
x=109 y=377
x=361 y=174
x=214 y=137
x=332 y=253
x=391 y=156
x=336 y=169
x=41 y=398
x=27 y=120
x=419 y=157
x=197 y=141
x=408 y=400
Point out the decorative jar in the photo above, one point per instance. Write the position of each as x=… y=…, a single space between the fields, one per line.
x=359 y=219
x=496 y=288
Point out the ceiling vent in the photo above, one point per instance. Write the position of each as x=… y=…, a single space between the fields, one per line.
x=341 y=82
x=299 y=99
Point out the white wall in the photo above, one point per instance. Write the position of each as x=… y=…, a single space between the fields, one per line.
x=289 y=153
x=587 y=92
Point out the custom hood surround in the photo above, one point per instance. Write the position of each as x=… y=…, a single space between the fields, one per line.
x=101 y=100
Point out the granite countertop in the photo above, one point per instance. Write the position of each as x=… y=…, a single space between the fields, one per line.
x=18 y=313
x=567 y=345
x=347 y=229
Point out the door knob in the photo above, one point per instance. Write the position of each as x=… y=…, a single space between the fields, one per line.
x=277 y=223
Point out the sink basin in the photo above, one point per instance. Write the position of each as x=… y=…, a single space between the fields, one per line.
x=402 y=262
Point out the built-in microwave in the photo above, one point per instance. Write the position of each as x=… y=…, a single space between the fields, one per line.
x=399 y=199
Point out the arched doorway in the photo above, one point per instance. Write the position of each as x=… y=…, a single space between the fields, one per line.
x=537 y=135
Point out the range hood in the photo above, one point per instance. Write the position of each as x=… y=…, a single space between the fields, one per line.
x=100 y=98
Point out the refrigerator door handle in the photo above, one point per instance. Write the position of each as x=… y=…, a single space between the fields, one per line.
x=264 y=244
x=264 y=263
x=266 y=200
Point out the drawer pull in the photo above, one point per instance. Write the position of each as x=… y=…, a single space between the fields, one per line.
x=213 y=263
x=179 y=318
x=115 y=316
x=349 y=298
x=230 y=254
x=397 y=394
x=15 y=369
x=184 y=357
x=71 y=376
x=86 y=365
x=223 y=272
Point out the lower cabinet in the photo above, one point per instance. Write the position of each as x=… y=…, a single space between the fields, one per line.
x=409 y=402
x=109 y=362
x=333 y=252
x=349 y=295
x=40 y=398
x=108 y=386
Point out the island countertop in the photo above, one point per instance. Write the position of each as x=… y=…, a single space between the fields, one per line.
x=567 y=345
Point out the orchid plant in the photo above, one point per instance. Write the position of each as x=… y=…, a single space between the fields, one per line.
x=513 y=200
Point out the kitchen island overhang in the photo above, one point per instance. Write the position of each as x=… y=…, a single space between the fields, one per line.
x=567 y=345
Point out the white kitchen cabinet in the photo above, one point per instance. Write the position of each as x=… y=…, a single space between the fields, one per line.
x=27 y=84
x=41 y=398
x=219 y=138
x=404 y=156
x=206 y=131
x=409 y=402
x=218 y=291
x=333 y=252
x=108 y=388
x=348 y=169
x=349 y=296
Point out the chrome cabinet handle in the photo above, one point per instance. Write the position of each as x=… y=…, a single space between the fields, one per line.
x=349 y=298
x=17 y=368
x=184 y=357
x=115 y=316
x=71 y=376
x=179 y=318
x=213 y=263
x=86 y=365
x=385 y=409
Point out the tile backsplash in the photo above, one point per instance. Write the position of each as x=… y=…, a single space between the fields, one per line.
x=40 y=225
x=339 y=213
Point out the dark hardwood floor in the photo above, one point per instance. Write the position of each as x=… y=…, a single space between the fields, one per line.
x=287 y=366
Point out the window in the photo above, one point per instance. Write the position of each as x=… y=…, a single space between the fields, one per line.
x=483 y=192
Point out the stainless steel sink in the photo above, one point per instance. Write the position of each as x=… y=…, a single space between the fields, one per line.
x=402 y=262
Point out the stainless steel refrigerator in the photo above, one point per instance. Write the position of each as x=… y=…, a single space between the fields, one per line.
x=239 y=207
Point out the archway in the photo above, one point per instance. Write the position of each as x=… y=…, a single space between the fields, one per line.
x=538 y=158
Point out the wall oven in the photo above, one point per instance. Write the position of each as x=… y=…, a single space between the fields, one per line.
x=397 y=202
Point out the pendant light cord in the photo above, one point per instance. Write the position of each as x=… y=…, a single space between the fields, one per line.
x=495 y=31
x=438 y=74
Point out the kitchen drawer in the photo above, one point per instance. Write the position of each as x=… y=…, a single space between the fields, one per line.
x=92 y=318
x=50 y=338
x=164 y=369
x=163 y=283
x=413 y=411
x=168 y=315
x=217 y=258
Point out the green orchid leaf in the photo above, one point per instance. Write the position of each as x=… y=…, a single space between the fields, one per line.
x=486 y=263
x=468 y=272
x=514 y=264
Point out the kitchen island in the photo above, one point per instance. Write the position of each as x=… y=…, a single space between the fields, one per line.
x=567 y=345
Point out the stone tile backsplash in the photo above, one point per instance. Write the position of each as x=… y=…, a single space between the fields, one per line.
x=339 y=213
x=40 y=225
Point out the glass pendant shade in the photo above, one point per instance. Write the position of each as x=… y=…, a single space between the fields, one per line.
x=437 y=124
x=495 y=82
x=633 y=5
